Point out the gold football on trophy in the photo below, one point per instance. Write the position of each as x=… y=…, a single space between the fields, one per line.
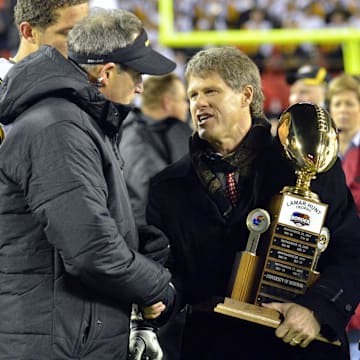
x=309 y=138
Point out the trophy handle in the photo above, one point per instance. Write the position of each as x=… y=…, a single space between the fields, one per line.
x=322 y=244
x=246 y=276
x=248 y=272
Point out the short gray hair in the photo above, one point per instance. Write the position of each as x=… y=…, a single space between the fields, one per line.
x=234 y=67
x=104 y=31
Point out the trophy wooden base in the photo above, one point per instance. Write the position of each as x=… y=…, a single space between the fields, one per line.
x=256 y=314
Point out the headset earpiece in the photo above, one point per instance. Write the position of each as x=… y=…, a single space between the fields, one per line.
x=99 y=82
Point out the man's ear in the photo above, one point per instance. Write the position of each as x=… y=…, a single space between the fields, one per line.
x=28 y=32
x=248 y=95
x=106 y=71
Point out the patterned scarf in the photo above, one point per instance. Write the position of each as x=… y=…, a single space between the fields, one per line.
x=208 y=165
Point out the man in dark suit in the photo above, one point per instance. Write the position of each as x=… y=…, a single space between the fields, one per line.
x=206 y=222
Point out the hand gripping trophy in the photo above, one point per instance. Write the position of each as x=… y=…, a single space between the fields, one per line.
x=293 y=229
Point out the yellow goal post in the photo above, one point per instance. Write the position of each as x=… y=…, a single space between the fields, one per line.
x=349 y=38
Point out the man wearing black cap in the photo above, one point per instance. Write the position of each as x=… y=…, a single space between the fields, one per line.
x=308 y=84
x=121 y=59
x=69 y=268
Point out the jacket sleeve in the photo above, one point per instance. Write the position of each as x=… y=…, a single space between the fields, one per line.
x=336 y=294
x=153 y=243
x=155 y=217
x=68 y=193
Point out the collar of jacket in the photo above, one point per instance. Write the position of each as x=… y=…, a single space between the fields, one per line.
x=260 y=138
x=46 y=73
x=109 y=115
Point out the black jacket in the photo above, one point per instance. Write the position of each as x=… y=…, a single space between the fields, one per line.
x=68 y=266
x=204 y=242
x=147 y=147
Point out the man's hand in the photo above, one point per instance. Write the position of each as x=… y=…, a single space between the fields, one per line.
x=154 y=311
x=299 y=326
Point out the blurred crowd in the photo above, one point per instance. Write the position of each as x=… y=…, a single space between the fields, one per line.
x=235 y=14
x=8 y=32
x=260 y=14
x=274 y=14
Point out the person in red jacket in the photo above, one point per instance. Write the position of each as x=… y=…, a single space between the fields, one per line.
x=344 y=105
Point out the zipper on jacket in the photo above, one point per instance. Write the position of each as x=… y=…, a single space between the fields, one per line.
x=115 y=145
x=114 y=141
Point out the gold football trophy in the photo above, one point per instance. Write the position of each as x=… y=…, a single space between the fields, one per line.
x=293 y=232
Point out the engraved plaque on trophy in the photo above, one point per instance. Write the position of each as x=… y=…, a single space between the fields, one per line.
x=295 y=235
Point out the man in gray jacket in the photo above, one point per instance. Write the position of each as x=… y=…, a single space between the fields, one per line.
x=154 y=136
x=69 y=266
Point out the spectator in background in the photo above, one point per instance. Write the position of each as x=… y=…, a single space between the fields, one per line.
x=8 y=40
x=308 y=84
x=354 y=20
x=257 y=21
x=154 y=136
x=344 y=105
x=44 y=22
x=70 y=267
x=333 y=53
x=312 y=18
x=41 y=23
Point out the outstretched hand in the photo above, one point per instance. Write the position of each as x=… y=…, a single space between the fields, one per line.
x=299 y=327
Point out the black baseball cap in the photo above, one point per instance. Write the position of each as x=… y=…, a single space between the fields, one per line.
x=310 y=74
x=139 y=56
